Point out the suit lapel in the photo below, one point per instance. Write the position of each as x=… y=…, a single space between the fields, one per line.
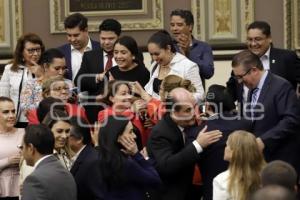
x=83 y=154
x=69 y=61
x=265 y=88
x=263 y=92
x=176 y=131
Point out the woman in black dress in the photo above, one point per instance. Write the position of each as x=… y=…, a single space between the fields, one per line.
x=130 y=66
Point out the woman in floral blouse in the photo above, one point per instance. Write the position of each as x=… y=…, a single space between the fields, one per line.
x=52 y=64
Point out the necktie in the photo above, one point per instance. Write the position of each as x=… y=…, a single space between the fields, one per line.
x=109 y=62
x=254 y=97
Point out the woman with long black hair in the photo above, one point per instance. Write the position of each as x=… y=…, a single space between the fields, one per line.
x=126 y=172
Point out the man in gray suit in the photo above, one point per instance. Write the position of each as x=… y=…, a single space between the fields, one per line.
x=49 y=180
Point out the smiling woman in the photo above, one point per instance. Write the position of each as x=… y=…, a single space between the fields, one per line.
x=58 y=122
x=167 y=61
x=130 y=65
x=23 y=68
x=10 y=138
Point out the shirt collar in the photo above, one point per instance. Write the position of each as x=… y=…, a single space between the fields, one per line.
x=180 y=128
x=77 y=154
x=262 y=80
x=87 y=48
x=40 y=160
x=267 y=54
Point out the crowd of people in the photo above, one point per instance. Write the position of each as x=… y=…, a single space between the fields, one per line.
x=88 y=120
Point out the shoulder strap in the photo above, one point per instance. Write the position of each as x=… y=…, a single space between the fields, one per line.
x=154 y=68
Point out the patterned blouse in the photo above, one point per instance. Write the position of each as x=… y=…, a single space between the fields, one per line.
x=31 y=95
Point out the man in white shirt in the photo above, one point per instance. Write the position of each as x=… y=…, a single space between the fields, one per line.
x=49 y=180
x=76 y=26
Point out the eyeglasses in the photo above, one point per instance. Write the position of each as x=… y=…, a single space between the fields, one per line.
x=239 y=77
x=32 y=50
x=59 y=89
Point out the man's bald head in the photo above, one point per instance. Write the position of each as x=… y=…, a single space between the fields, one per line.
x=181 y=95
x=180 y=105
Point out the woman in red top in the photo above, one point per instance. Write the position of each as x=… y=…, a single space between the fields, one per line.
x=118 y=101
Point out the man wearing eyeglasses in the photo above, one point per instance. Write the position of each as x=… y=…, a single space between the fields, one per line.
x=281 y=62
x=272 y=106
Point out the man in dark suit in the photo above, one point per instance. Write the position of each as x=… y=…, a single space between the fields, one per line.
x=219 y=115
x=85 y=169
x=49 y=180
x=272 y=106
x=76 y=26
x=94 y=65
x=175 y=158
x=281 y=62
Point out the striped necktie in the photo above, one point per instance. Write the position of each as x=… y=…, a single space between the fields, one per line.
x=254 y=96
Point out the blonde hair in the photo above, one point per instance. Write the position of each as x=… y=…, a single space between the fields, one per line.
x=246 y=163
x=172 y=81
x=46 y=87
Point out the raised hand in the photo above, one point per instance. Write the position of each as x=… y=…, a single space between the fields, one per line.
x=206 y=138
x=36 y=69
x=183 y=43
x=129 y=145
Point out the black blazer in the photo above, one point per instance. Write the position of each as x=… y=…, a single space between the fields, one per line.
x=174 y=160
x=211 y=161
x=86 y=173
x=66 y=50
x=91 y=65
x=285 y=63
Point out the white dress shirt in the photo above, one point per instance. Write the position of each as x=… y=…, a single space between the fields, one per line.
x=265 y=59
x=76 y=58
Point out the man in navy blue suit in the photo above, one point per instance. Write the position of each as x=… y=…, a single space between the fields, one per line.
x=76 y=26
x=272 y=106
x=85 y=168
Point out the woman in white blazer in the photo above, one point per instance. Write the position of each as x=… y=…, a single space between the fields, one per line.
x=22 y=68
x=167 y=61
